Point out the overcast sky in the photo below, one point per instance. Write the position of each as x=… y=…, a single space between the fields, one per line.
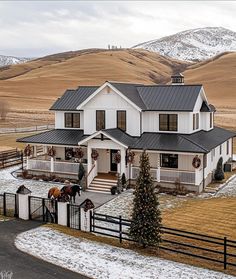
x=34 y=28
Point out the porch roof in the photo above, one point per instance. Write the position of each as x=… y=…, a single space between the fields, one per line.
x=68 y=137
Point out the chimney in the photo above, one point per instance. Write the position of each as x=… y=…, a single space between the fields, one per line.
x=177 y=79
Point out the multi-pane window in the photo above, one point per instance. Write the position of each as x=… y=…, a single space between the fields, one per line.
x=72 y=120
x=121 y=119
x=227 y=147
x=195 y=121
x=211 y=119
x=168 y=122
x=100 y=119
x=169 y=160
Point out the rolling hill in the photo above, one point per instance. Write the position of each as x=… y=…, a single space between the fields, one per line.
x=36 y=84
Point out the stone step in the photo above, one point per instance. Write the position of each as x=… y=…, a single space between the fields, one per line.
x=105 y=180
x=98 y=189
x=93 y=184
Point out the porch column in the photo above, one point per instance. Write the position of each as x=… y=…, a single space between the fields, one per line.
x=35 y=151
x=158 y=168
x=122 y=162
x=52 y=164
x=89 y=159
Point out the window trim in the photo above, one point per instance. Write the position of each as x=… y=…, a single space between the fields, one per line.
x=227 y=147
x=117 y=112
x=211 y=120
x=168 y=122
x=97 y=119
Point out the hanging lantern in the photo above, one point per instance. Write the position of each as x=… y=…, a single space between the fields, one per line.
x=130 y=156
x=28 y=150
x=94 y=154
x=51 y=152
x=79 y=153
x=117 y=158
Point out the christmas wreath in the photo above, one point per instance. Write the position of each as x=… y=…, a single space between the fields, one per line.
x=94 y=154
x=51 y=152
x=79 y=153
x=28 y=150
x=117 y=158
x=196 y=162
x=130 y=156
x=88 y=204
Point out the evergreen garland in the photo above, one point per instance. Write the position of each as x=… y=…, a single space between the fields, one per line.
x=146 y=216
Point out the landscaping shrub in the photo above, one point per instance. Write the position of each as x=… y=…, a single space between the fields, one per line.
x=219 y=173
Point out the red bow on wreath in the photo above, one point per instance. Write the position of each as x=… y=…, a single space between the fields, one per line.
x=117 y=157
x=79 y=153
x=130 y=156
x=94 y=154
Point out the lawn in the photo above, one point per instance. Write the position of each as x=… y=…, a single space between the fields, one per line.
x=8 y=141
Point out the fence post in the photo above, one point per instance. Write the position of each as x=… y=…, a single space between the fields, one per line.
x=90 y=221
x=68 y=215
x=4 y=205
x=225 y=252
x=29 y=204
x=43 y=207
x=120 y=228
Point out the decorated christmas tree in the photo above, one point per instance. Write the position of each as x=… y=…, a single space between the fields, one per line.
x=146 y=216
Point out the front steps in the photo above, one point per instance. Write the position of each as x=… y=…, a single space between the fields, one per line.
x=102 y=185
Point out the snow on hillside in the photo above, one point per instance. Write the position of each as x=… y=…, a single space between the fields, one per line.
x=11 y=60
x=195 y=44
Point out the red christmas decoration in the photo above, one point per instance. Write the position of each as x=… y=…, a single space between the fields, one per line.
x=94 y=154
x=196 y=162
x=117 y=158
x=28 y=150
x=51 y=152
x=130 y=157
x=79 y=153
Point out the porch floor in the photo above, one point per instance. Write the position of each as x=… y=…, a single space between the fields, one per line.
x=109 y=176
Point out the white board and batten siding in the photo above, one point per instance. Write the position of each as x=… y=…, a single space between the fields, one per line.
x=111 y=102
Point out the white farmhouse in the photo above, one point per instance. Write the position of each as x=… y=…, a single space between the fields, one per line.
x=173 y=123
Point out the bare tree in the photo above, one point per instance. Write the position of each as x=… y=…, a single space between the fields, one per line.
x=4 y=109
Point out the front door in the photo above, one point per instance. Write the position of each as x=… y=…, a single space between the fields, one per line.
x=113 y=166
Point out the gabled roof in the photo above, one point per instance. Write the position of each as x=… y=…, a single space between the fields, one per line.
x=145 y=97
x=71 y=99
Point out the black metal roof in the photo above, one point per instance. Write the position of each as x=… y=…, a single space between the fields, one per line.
x=146 y=97
x=58 y=137
x=199 y=142
x=71 y=99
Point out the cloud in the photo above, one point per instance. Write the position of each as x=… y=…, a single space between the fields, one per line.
x=34 y=28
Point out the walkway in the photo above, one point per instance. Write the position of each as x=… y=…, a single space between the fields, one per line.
x=23 y=265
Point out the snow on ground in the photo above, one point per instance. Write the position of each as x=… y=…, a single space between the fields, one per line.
x=101 y=261
x=10 y=184
x=229 y=188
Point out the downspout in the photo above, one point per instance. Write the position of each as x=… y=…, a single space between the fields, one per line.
x=203 y=170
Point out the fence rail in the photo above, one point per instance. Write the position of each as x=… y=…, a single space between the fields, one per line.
x=215 y=249
x=10 y=158
x=26 y=129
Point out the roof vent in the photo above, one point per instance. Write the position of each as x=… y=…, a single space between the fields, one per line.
x=177 y=79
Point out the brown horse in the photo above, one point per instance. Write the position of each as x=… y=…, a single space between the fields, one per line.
x=71 y=190
x=54 y=193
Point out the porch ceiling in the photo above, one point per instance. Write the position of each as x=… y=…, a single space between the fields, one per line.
x=58 y=137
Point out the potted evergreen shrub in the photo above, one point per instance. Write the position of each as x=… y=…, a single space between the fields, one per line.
x=123 y=181
x=219 y=173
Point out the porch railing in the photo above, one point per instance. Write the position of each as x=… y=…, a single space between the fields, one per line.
x=41 y=165
x=92 y=173
x=187 y=177
x=168 y=175
x=58 y=166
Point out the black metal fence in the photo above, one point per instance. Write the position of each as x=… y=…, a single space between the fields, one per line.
x=10 y=205
x=214 y=249
x=73 y=216
x=42 y=209
x=1 y=205
x=10 y=158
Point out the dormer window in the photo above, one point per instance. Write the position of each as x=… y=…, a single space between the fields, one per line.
x=72 y=120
